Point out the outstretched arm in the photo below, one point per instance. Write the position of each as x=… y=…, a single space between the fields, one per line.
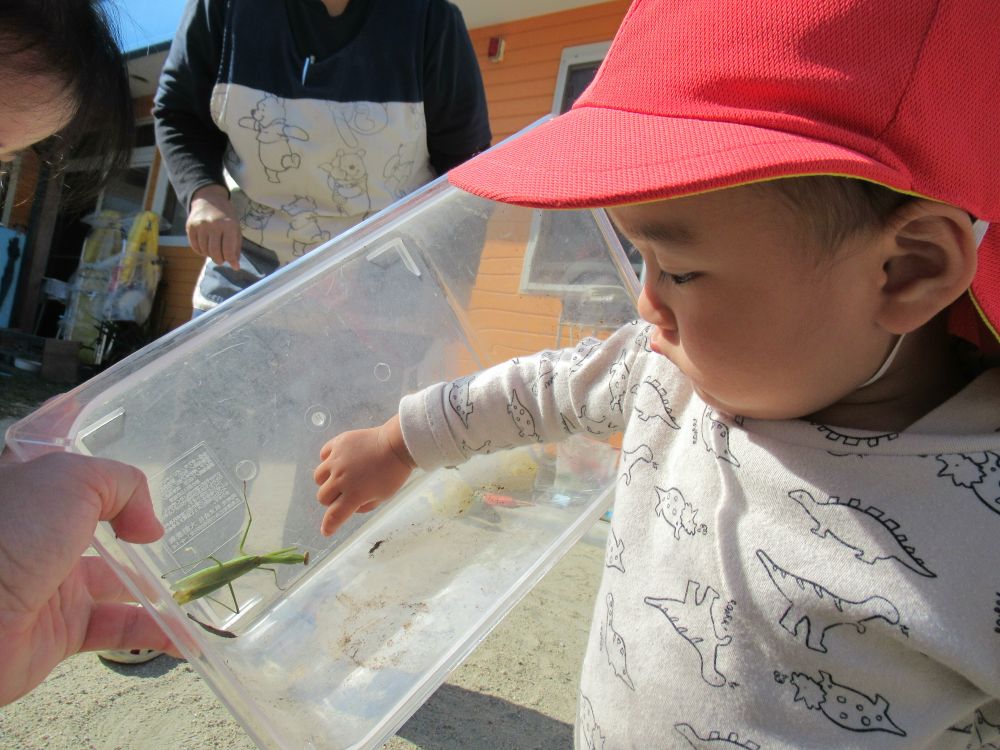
x=360 y=470
x=54 y=601
x=540 y=398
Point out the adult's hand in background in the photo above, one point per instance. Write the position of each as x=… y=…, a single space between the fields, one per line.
x=213 y=229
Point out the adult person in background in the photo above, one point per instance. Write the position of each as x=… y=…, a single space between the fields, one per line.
x=321 y=113
x=65 y=89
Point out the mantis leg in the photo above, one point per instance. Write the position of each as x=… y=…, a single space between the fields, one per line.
x=275 y=572
x=232 y=593
x=249 y=521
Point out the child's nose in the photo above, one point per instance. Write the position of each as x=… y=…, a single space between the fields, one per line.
x=655 y=311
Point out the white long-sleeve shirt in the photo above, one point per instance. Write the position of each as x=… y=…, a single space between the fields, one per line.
x=768 y=584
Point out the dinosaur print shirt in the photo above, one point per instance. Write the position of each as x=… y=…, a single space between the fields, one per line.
x=316 y=143
x=767 y=584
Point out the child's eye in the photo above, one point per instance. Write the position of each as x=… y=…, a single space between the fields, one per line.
x=676 y=278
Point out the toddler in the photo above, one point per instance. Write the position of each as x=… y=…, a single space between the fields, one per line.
x=810 y=559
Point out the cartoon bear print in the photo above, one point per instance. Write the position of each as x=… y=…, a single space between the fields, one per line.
x=397 y=172
x=255 y=217
x=274 y=137
x=304 y=228
x=347 y=178
x=358 y=118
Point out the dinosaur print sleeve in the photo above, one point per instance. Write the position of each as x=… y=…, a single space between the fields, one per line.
x=544 y=397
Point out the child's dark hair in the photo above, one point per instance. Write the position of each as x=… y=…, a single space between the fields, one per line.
x=72 y=42
x=835 y=208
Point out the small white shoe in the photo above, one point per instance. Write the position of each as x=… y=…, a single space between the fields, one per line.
x=135 y=656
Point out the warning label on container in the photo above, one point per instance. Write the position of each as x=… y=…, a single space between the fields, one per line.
x=194 y=493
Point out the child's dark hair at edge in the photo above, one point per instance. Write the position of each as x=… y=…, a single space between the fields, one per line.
x=73 y=42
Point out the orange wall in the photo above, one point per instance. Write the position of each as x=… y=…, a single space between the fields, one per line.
x=179 y=276
x=504 y=322
x=520 y=88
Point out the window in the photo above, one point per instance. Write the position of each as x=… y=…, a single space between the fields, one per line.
x=557 y=260
x=126 y=192
x=577 y=67
x=173 y=213
x=144 y=135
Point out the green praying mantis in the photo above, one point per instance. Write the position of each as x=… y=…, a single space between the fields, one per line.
x=211 y=578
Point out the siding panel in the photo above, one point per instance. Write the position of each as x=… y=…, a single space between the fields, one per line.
x=520 y=88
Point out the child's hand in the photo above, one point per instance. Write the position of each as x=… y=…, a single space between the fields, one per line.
x=360 y=470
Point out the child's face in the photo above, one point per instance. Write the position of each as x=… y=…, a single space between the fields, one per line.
x=765 y=322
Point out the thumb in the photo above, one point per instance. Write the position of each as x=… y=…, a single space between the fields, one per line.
x=121 y=627
x=122 y=493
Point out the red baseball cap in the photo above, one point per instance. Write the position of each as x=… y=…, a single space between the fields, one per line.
x=706 y=94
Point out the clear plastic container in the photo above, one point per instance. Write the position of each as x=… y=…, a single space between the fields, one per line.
x=340 y=652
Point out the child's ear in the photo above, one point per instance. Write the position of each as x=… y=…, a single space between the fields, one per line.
x=929 y=260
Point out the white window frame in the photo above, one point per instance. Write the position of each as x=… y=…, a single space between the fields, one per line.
x=177 y=236
x=149 y=155
x=141 y=157
x=146 y=156
x=582 y=54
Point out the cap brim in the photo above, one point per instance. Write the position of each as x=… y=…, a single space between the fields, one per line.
x=592 y=157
